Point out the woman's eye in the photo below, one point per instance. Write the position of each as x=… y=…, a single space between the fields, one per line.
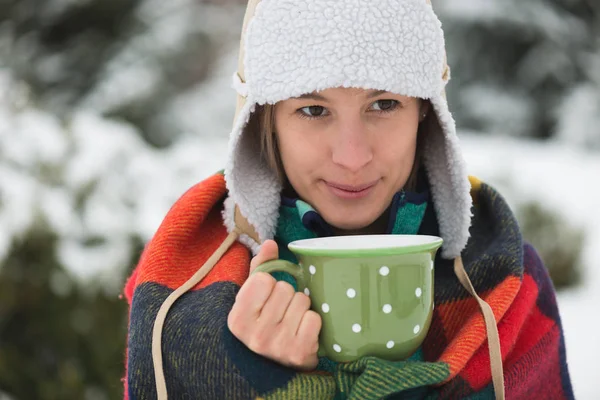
x=313 y=111
x=385 y=105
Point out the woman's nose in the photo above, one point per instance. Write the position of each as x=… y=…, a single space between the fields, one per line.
x=352 y=149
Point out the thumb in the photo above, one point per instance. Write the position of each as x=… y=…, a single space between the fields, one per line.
x=268 y=251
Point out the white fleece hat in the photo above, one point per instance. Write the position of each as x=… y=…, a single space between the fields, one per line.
x=294 y=47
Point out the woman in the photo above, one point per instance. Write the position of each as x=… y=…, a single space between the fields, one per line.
x=342 y=127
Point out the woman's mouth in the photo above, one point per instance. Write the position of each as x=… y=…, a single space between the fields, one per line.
x=351 y=191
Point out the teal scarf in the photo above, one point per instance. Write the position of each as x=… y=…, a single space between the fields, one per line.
x=298 y=220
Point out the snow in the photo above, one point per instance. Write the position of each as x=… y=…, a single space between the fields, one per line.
x=578 y=308
x=132 y=186
x=564 y=178
x=210 y=104
x=554 y=173
x=92 y=181
x=137 y=72
x=503 y=110
x=579 y=113
x=17 y=191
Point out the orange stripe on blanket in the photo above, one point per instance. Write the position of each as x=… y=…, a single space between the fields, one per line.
x=465 y=327
x=521 y=328
x=178 y=249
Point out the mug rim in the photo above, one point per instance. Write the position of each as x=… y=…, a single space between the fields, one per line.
x=417 y=244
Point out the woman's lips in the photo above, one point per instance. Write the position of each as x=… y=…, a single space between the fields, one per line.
x=351 y=191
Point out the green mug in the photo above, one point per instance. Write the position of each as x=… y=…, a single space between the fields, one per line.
x=374 y=292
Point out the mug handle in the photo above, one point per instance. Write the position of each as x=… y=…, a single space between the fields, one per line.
x=293 y=269
x=283 y=266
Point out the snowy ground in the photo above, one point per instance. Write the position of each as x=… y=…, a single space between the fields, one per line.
x=561 y=177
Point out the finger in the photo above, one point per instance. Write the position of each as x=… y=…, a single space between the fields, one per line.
x=268 y=251
x=254 y=293
x=309 y=328
x=308 y=339
x=275 y=307
x=299 y=305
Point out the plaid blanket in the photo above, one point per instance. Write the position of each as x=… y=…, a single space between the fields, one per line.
x=203 y=360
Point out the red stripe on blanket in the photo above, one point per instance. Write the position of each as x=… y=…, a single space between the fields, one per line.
x=540 y=363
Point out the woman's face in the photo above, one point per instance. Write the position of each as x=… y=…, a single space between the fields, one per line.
x=347 y=151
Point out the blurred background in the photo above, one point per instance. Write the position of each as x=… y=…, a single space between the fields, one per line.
x=111 y=109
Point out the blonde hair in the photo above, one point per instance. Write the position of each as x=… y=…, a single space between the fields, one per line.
x=264 y=125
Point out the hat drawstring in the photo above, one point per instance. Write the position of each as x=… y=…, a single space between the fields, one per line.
x=490 y=327
x=159 y=375
x=242 y=226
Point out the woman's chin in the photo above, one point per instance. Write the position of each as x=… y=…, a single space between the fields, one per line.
x=353 y=217
x=343 y=224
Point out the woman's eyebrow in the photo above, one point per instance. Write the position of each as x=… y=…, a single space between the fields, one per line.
x=311 y=96
x=376 y=93
x=316 y=96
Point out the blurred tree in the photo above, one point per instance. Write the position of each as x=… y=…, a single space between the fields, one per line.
x=59 y=48
x=58 y=339
x=74 y=53
x=558 y=242
x=515 y=62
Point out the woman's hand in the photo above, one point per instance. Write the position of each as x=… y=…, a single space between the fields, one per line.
x=273 y=320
